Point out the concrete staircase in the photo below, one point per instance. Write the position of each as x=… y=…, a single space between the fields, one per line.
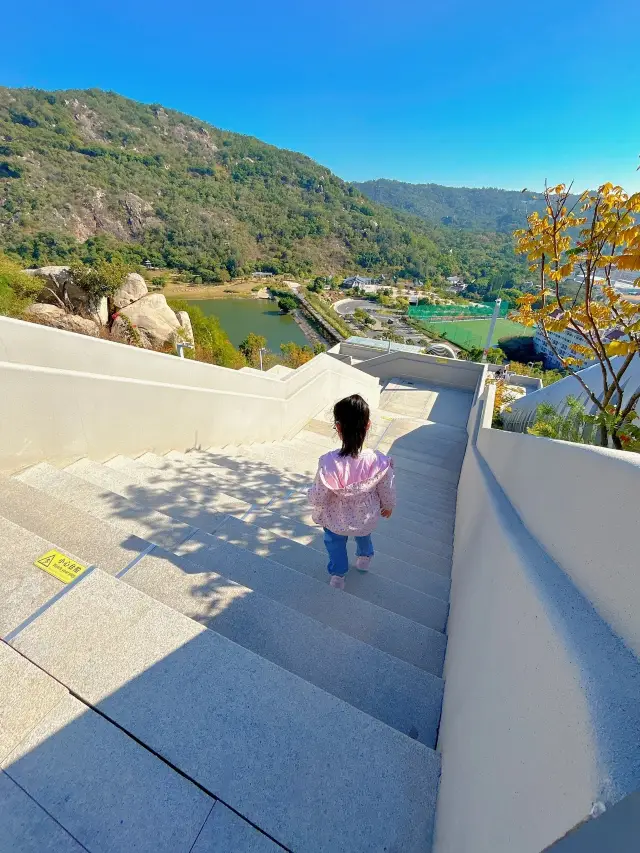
x=201 y=687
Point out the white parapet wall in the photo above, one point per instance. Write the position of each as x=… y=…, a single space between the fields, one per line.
x=449 y=372
x=78 y=396
x=541 y=715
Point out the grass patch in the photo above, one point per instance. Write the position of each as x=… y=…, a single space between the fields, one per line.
x=473 y=333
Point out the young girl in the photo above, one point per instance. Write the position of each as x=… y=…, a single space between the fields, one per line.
x=352 y=489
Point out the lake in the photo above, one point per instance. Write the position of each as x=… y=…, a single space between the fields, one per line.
x=238 y=317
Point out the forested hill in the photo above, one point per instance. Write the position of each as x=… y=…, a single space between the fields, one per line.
x=484 y=209
x=84 y=173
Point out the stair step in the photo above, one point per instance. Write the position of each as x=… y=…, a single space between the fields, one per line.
x=368 y=586
x=259 y=738
x=146 y=524
x=387 y=545
x=401 y=695
x=389 y=567
x=23 y=587
x=167 y=473
x=66 y=527
x=388 y=631
x=102 y=787
x=408 y=602
x=174 y=477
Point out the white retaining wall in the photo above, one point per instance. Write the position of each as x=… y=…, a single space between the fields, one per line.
x=153 y=402
x=541 y=714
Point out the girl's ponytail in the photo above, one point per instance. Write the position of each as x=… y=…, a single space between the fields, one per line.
x=352 y=414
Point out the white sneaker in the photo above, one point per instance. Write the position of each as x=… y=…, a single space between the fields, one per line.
x=363 y=563
x=337 y=582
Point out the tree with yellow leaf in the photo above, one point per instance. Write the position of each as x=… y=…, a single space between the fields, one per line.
x=603 y=235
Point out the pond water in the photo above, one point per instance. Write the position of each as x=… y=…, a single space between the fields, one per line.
x=238 y=317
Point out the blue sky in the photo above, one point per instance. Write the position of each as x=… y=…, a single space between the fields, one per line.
x=460 y=92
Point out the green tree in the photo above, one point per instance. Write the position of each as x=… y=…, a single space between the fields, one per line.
x=287 y=304
x=295 y=356
x=97 y=280
x=250 y=348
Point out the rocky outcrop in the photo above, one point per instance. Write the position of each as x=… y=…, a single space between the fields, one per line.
x=154 y=322
x=51 y=315
x=133 y=288
x=185 y=327
x=58 y=289
x=55 y=279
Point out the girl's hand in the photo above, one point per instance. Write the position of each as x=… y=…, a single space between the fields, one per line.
x=386 y=513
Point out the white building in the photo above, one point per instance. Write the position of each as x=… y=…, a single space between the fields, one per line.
x=563 y=342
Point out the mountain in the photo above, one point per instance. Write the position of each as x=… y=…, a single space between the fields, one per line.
x=485 y=209
x=89 y=173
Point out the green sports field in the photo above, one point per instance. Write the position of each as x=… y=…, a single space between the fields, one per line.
x=473 y=333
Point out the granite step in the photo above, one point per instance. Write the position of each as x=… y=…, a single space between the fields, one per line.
x=127 y=483
x=385 y=592
x=380 y=627
x=258 y=737
x=144 y=523
x=175 y=477
x=398 y=694
x=390 y=632
x=100 y=786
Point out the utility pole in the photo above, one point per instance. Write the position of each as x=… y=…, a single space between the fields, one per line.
x=262 y=349
x=492 y=328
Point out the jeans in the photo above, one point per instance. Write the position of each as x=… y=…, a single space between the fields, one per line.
x=336 y=546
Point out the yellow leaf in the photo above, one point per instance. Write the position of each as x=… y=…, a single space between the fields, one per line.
x=621 y=347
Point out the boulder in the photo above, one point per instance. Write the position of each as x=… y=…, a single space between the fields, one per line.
x=56 y=278
x=51 y=315
x=185 y=326
x=132 y=289
x=154 y=321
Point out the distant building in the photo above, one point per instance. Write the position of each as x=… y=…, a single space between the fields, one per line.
x=147 y=263
x=261 y=274
x=356 y=281
x=563 y=343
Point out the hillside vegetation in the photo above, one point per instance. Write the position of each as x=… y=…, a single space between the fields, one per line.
x=486 y=209
x=89 y=174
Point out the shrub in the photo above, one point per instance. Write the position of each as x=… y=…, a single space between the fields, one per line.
x=17 y=289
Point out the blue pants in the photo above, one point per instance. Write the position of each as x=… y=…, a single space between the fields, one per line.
x=336 y=546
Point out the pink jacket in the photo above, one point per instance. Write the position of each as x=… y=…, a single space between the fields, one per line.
x=349 y=492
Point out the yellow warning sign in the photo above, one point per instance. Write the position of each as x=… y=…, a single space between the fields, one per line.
x=442 y=360
x=60 y=566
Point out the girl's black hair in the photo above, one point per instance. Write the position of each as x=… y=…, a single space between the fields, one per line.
x=352 y=413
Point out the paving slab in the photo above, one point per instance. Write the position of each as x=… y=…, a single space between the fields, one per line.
x=106 y=505
x=388 y=631
x=398 y=694
x=25 y=827
x=256 y=736
x=106 y=790
x=226 y=832
x=27 y=695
